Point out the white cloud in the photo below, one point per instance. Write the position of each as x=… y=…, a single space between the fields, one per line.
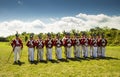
x=19 y=2
x=79 y=22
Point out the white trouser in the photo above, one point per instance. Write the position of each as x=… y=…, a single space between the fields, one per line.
x=86 y=51
x=31 y=54
x=69 y=52
x=40 y=53
x=99 y=51
x=103 y=51
x=17 y=53
x=91 y=50
x=94 y=51
x=49 y=53
x=83 y=49
x=59 y=52
x=77 y=51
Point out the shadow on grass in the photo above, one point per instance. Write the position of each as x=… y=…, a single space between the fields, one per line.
x=75 y=59
x=89 y=58
x=54 y=61
x=36 y=62
x=20 y=64
x=63 y=60
x=67 y=60
x=110 y=58
x=43 y=61
x=102 y=58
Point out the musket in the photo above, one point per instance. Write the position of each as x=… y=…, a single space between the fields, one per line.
x=37 y=55
x=21 y=53
x=46 y=55
x=65 y=53
x=11 y=54
x=75 y=52
x=28 y=56
x=56 y=54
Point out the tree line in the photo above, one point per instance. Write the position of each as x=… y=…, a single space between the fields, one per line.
x=111 y=34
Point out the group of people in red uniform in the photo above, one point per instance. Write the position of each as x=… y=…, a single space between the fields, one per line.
x=82 y=46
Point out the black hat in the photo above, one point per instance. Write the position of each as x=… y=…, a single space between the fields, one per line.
x=103 y=34
x=58 y=34
x=16 y=34
x=64 y=32
x=31 y=35
x=98 y=34
x=39 y=36
x=67 y=33
x=48 y=34
x=83 y=33
x=76 y=34
x=94 y=34
x=91 y=34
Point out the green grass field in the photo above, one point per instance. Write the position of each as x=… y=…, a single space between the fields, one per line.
x=109 y=67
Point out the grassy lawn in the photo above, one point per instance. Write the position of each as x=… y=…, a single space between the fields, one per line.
x=109 y=67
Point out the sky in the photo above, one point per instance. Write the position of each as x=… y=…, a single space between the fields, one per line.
x=57 y=15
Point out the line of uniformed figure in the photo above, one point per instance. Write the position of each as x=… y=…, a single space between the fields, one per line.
x=80 y=46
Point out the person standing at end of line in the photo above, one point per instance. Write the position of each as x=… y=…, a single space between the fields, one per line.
x=17 y=46
x=103 y=43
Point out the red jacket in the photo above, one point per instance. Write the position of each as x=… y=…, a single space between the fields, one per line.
x=95 y=42
x=85 y=41
x=77 y=41
x=63 y=40
x=91 y=41
x=17 y=42
x=49 y=43
x=103 y=42
x=98 y=42
x=39 y=44
x=68 y=42
x=58 y=42
x=31 y=44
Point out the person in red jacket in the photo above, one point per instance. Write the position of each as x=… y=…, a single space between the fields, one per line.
x=31 y=48
x=49 y=45
x=77 y=44
x=40 y=48
x=91 y=45
x=58 y=46
x=99 y=52
x=68 y=44
x=85 y=44
x=17 y=46
x=95 y=44
x=103 y=43
x=63 y=41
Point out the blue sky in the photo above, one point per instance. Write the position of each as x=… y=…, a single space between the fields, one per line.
x=32 y=9
x=57 y=15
